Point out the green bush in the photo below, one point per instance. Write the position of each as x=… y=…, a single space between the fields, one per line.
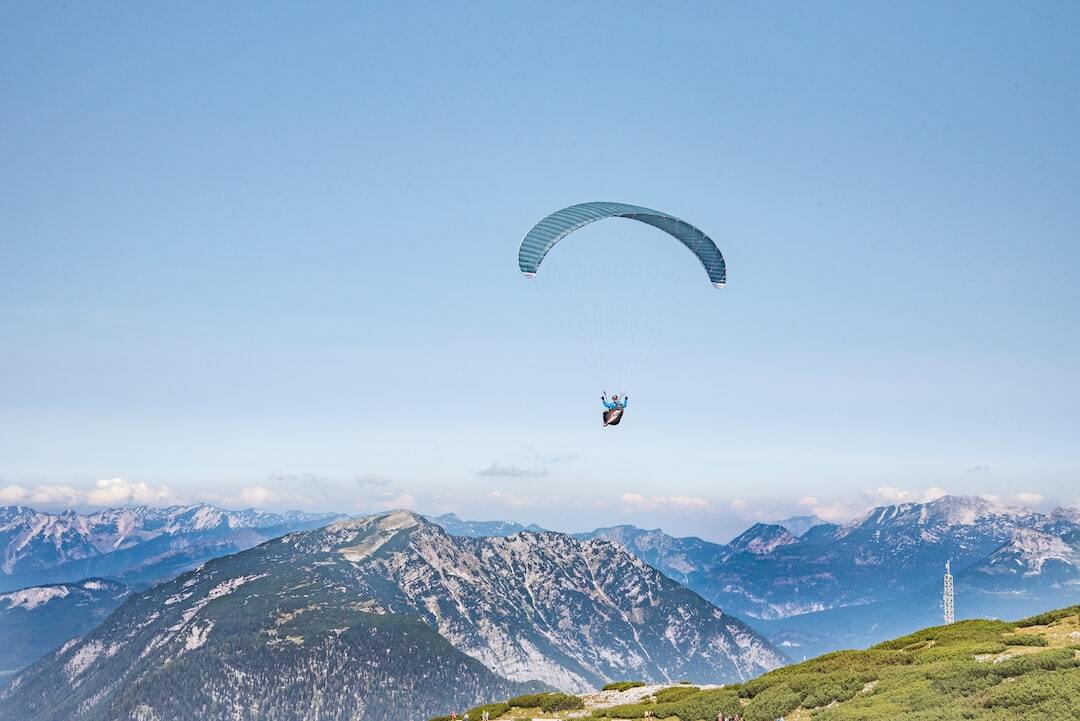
x=622 y=685
x=675 y=693
x=772 y=703
x=626 y=711
x=1045 y=619
x=696 y=706
x=982 y=649
x=1055 y=660
x=961 y=632
x=1024 y=639
x=547 y=702
x=704 y=705
x=494 y=709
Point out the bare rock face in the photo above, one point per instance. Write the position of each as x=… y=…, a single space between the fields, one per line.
x=387 y=617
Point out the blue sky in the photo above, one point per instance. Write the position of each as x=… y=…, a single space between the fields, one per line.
x=254 y=254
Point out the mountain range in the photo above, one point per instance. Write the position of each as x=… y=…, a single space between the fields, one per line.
x=136 y=546
x=35 y=620
x=809 y=586
x=386 y=617
x=477 y=529
x=851 y=585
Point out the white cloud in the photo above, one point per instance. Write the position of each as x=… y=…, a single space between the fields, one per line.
x=55 y=495
x=391 y=503
x=298 y=479
x=1029 y=498
x=933 y=493
x=366 y=480
x=13 y=494
x=106 y=492
x=504 y=470
x=637 y=501
x=514 y=500
x=117 y=491
x=891 y=496
x=258 y=496
x=837 y=511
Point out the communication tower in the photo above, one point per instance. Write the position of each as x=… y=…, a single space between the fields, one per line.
x=948 y=597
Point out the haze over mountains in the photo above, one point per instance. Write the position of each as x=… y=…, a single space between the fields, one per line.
x=387 y=617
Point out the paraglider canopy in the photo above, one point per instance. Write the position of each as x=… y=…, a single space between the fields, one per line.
x=559 y=224
x=618 y=288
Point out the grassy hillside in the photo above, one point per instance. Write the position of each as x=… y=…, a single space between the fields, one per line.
x=989 y=670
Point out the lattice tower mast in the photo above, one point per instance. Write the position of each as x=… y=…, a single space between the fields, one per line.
x=948 y=596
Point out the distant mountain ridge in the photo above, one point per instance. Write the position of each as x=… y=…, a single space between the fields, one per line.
x=35 y=620
x=479 y=529
x=389 y=617
x=889 y=551
x=138 y=545
x=828 y=587
x=847 y=585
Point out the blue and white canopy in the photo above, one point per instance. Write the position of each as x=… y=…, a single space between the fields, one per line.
x=559 y=224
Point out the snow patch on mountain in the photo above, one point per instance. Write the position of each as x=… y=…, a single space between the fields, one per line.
x=1029 y=551
x=31 y=598
x=82 y=659
x=198 y=636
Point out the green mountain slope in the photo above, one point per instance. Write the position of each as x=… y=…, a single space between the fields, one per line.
x=983 y=670
x=34 y=621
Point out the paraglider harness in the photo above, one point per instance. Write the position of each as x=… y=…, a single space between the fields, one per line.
x=613 y=411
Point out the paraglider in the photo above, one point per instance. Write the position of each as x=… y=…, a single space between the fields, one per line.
x=614 y=408
x=548 y=232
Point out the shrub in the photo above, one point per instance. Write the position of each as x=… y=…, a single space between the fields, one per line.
x=1024 y=639
x=622 y=685
x=1045 y=619
x=697 y=706
x=675 y=693
x=626 y=710
x=494 y=709
x=773 y=703
x=547 y=702
x=704 y=705
x=988 y=648
x=1057 y=659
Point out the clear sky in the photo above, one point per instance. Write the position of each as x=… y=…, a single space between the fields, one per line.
x=266 y=254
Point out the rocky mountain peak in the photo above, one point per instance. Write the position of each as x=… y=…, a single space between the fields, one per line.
x=1068 y=515
x=947 y=511
x=529 y=606
x=762 y=538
